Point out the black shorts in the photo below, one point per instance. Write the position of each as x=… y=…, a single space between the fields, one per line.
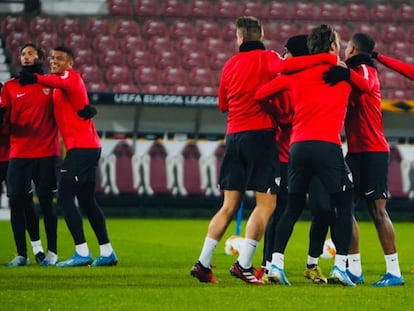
x=370 y=173
x=22 y=171
x=80 y=165
x=3 y=170
x=250 y=163
x=317 y=158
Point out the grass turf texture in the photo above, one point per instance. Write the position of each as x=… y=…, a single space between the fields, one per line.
x=155 y=257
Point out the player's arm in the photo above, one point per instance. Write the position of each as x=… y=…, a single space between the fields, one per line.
x=361 y=81
x=61 y=81
x=397 y=65
x=298 y=63
x=5 y=101
x=270 y=89
x=222 y=97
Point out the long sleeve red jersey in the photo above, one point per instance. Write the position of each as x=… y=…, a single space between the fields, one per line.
x=69 y=96
x=363 y=123
x=242 y=75
x=405 y=69
x=30 y=120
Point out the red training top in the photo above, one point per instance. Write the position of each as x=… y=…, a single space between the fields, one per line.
x=405 y=69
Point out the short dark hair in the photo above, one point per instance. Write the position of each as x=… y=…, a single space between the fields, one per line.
x=251 y=28
x=321 y=38
x=363 y=42
x=65 y=50
x=39 y=50
x=297 y=45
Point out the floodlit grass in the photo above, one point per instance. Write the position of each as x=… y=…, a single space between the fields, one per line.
x=155 y=257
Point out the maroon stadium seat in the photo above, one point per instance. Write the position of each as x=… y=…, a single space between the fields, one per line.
x=154 y=28
x=124 y=178
x=191 y=169
x=180 y=89
x=84 y=57
x=367 y=28
x=118 y=74
x=128 y=44
x=96 y=26
x=343 y=30
x=401 y=49
x=41 y=24
x=184 y=44
x=214 y=45
x=399 y=94
x=199 y=76
x=252 y=8
x=158 y=169
x=110 y=57
x=356 y=12
x=404 y=13
x=159 y=44
x=174 y=8
x=395 y=174
x=164 y=59
x=174 y=75
x=381 y=12
x=283 y=32
x=120 y=8
x=104 y=42
x=217 y=60
x=206 y=29
x=15 y=40
x=153 y=89
x=146 y=75
x=181 y=29
x=193 y=59
x=391 y=79
x=48 y=41
x=228 y=34
x=147 y=8
x=77 y=41
x=304 y=11
x=206 y=90
x=228 y=9
x=277 y=10
x=125 y=88
x=201 y=9
x=391 y=32
x=69 y=25
x=329 y=11
x=139 y=58
x=126 y=27
x=97 y=86
x=91 y=73
x=10 y=24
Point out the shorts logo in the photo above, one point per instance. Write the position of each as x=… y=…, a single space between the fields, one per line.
x=277 y=181
x=369 y=192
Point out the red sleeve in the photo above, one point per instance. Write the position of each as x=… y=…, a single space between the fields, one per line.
x=294 y=64
x=222 y=98
x=61 y=81
x=405 y=69
x=270 y=89
x=361 y=81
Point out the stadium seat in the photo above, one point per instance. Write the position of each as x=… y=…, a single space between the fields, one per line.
x=84 y=57
x=126 y=27
x=48 y=41
x=191 y=169
x=97 y=87
x=391 y=79
x=206 y=90
x=128 y=44
x=304 y=11
x=206 y=29
x=91 y=73
x=200 y=9
x=158 y=178
x=15 y=40
x=104 y=42
x=369 y=29
x=228 y=9
x=252 y=8
x=181 y=29
x=399 y=94
x=180 y=89
x=154 y=28
x=174 y=8
x=160 y=44
x=120 y=8
x=153 y=89
x=277 y=10
x=404 y=13
x=282 y=32
x=273 y=45
x=138 y=58
x=382 y=13
x=41 y=24
x=228 y=34
x=392 y=33
x=77 y=41
x=118 y=74
x=146 y=74
x=328 y=11
x=343 y=30
x=164 y=59
x=184 y=44
x=173 y=76
x=398 y=170
x=401 y=49
x=125 y=88
x=69 y=25
x=108 y=57
x=199 y=76
x=10 y=24
x=214 y=45
x=96 y=27
x=217 y=60
x=147 y=8
x=356 y=12
x=193 y=59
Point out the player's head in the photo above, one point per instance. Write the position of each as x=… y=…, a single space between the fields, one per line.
x=61 y=59
x=31 y=54
x=296 y=46
x=323 y=39
x=360 y=43
x=248 y=28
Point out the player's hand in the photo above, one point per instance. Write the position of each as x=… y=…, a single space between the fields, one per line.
x=87 y=112
x=336 y=74
x=27 y=78
x=374 y=54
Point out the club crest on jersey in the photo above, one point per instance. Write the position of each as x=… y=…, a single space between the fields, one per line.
x=46 y=91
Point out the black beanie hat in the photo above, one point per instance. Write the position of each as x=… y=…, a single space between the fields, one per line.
x=298 y=45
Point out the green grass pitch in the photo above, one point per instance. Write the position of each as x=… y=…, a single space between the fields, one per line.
x=155 y=257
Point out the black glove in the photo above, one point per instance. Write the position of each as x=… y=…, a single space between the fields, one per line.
x=1 y=86
x=374 y=54
x=88 y=112
x=2 y=113
x=336 y=74
x=27 y=78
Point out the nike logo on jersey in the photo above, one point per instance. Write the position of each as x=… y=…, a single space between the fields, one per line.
x=20 y=95
x=369 y=192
